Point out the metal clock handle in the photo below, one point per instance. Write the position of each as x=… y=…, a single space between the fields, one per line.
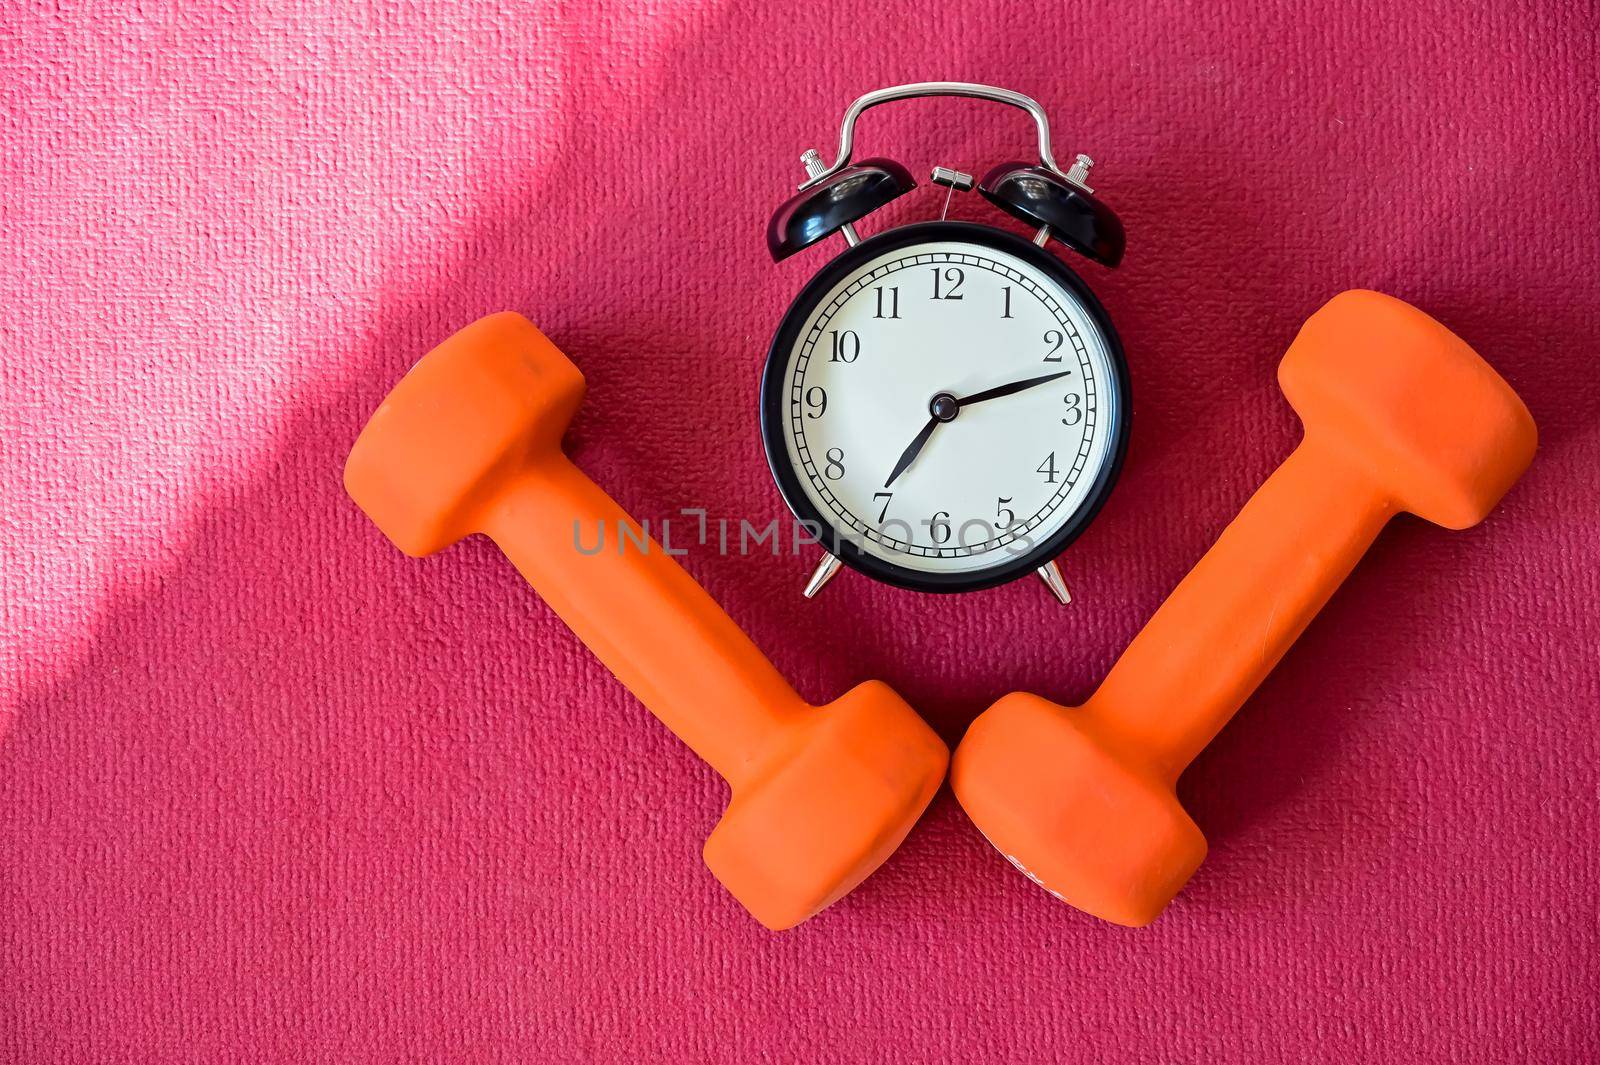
x=936 y=88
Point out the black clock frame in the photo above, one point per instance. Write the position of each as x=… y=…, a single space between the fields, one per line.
x=774 y=387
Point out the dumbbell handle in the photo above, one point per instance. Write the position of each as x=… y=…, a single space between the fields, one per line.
x=1239 y=610
x=643 y=616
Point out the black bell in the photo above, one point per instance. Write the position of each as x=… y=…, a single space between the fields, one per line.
x=1043 y=198
x=835 y=202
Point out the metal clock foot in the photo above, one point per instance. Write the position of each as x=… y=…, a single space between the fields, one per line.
x=1050 y=573
x=824 y=573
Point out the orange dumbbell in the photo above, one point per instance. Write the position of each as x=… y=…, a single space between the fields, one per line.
x=470 y=441
x=1400 y=414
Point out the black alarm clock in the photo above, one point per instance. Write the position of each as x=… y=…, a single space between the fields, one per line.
x=945 y=405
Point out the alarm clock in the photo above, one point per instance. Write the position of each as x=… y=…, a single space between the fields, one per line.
x=945 y=405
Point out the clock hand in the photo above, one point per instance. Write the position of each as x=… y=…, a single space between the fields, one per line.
x=944 y=407
x=1008 y=390
x=911 y=452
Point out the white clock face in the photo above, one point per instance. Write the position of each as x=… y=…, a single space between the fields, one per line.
x=948 y=407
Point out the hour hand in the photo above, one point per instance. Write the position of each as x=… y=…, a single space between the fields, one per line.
x=910 y=453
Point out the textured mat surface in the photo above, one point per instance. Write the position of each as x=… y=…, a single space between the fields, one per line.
x=273 y=792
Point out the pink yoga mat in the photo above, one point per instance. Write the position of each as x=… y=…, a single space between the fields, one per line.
x=273 y=792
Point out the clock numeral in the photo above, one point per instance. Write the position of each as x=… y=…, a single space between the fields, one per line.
x=1006 y=313
x=846 y=346
x=1055 y=340
x=833 y=469
x=955 y=276
x=1004 y=516
x=894 y=301
x=939 y=527
x=817 y=400
x=883 y=511
x=1048 y=468
x=1074 y=404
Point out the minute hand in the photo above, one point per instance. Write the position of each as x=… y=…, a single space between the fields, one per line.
x=1009 y=390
